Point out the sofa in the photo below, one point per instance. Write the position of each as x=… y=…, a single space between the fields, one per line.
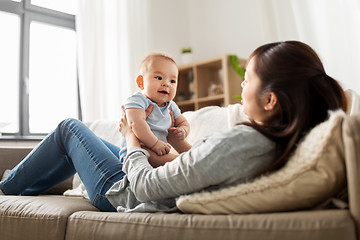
x=255 y=210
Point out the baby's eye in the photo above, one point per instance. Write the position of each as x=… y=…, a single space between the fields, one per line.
x=158 y=78
x=173 y=81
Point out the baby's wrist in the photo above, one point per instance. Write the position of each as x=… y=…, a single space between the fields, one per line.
x=154 y=144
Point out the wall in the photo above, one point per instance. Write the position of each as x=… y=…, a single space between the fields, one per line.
x=224 y=27
x=168 y=26
x=216 y=27
x=210 y=27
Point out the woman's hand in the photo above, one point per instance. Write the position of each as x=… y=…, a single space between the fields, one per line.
x=125 y=130
x=124 y=127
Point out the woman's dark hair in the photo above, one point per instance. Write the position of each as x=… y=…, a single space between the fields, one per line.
x=294 y=72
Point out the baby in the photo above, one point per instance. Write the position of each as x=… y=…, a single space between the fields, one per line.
x=157 y=82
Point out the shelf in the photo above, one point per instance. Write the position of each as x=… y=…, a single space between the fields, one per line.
x=187 y=105
x=211 y=98
x=200 y=80
x=185 y=102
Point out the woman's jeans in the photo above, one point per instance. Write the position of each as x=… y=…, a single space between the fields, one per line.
x=70 y=148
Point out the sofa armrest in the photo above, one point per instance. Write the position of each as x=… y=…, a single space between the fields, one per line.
x=11 y=156
x=351 y=138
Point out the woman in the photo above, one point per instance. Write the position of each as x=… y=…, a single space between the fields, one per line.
x=286 y=92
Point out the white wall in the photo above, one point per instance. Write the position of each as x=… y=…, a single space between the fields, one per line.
x=224 y=27
x=210 y=27
x=216 y=27
x=168 y=26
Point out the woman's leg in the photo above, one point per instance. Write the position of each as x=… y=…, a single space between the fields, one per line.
x=70 y=148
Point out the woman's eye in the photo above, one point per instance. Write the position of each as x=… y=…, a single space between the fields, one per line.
x=158 y=78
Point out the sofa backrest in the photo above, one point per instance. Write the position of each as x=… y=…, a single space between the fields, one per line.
x=11 y=156
x=351 y=138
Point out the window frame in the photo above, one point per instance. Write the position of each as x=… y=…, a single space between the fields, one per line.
x=28 y=13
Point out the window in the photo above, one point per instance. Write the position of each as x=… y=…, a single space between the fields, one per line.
x=9 y=74
x=38 y=76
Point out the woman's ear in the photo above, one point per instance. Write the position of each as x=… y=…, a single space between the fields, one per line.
x=140 y=82
x=271 y=101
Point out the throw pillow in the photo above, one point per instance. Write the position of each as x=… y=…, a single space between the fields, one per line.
x=314 y=173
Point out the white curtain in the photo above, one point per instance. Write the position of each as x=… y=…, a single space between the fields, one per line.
x=111 y=43
x=332 y=28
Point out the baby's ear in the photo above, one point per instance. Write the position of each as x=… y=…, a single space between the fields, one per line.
x=140 y=82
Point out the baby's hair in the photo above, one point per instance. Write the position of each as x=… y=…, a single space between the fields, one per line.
x=153 y=56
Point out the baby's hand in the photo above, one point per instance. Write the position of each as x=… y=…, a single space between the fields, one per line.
x=161 y=148
x=178 y=132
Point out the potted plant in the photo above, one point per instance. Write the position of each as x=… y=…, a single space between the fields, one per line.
x=186 y=55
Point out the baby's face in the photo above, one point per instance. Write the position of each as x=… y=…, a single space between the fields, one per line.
x=160 y=81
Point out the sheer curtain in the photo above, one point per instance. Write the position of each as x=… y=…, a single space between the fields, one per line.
x=111 y=43
x=332 y=28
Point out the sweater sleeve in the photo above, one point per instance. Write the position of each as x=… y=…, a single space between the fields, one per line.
x=220 y=160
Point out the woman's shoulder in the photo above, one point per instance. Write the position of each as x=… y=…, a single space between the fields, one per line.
x=237 y=139
x=243 y=131
x=243 y=137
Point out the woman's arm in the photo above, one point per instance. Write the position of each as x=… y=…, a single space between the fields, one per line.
x=132 y=141
x=146 y=180
x=221 y=160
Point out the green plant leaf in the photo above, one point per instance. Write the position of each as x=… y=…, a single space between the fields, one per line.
x=186 y=50
x=238 y=97
x=235 y=63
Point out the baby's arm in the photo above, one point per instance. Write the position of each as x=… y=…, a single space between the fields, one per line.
x=137 y=120
x=181 y=128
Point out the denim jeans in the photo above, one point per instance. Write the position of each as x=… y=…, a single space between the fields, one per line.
x=70 y=148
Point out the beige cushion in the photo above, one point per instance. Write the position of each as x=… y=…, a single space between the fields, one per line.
x=40 y=217
x=309 y=225
x=314 y=173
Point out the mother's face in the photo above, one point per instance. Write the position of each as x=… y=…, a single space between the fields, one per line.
x=257 y=106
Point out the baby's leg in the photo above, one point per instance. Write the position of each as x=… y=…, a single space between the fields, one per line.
x=156 y=160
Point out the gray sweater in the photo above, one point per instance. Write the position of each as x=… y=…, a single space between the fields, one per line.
x=219 y=160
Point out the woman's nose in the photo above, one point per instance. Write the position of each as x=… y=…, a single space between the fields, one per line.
x=242 y=84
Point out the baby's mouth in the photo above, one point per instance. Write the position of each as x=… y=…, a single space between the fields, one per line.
x=163 y=92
